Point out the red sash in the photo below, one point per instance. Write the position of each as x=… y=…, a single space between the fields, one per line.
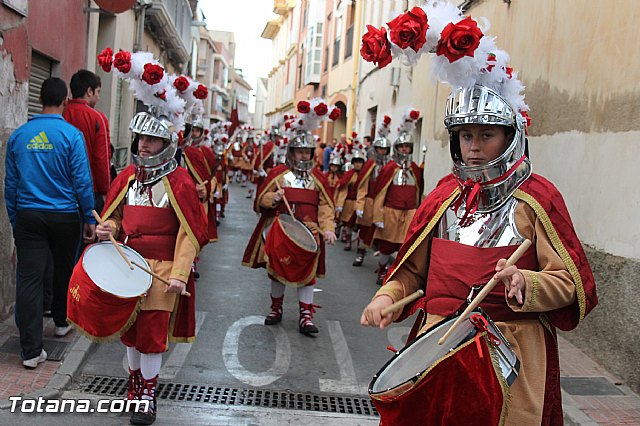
x=352 y=191
x=401 y=197
x=304 y=203
x=454 y=268
x=151 y=231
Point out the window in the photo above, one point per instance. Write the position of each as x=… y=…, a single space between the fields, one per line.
x=326 y=58
x=348 y=43
x=336 y=52
x=313 y=56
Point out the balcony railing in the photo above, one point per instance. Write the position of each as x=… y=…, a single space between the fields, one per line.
x=170 y=22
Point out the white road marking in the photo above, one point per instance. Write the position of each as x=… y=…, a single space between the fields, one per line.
x=232 y=362
x=348 y=382
x=178 y=355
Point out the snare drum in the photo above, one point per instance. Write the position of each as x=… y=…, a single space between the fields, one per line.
x=104 y=293
x=291 y=251
x=466 y=378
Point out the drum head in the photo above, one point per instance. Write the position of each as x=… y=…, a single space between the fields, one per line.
x=420 y=355
x=298 y=233
x=108 y=270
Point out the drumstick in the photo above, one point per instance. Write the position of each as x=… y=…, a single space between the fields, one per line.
x=113 y=240
x=485 y=290
x=286 y=203
x=400 y=303
x=158 y=277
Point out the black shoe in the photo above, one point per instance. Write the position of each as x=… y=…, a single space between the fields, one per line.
x=309 y=329
x=196 y=275
x=222 y=214
x=142 y=418
x=359 y=260
x=272 y=319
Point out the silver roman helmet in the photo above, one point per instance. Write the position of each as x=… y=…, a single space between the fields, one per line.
x=482 y=105
x=301 y=139
x=150 y=169
x=197 y=123
x=382 y=143
x=403 y=138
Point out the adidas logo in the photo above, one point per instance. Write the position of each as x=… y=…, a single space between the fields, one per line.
x=40 y=141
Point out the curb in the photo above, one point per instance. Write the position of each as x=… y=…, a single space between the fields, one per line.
x=573 y=416
x=64 y=376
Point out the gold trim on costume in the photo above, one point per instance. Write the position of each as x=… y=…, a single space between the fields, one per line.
x=324 y=192
x=119 y=333
x=557 y=245
x=193 y=170
x=116 y=201
x=535 y=286
x=178 y=211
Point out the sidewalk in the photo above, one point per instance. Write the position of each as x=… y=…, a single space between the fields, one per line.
x=591 y=396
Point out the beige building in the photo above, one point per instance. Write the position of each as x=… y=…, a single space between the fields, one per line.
x=582 y=88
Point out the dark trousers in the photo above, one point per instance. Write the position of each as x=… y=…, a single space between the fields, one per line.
x=36 y=234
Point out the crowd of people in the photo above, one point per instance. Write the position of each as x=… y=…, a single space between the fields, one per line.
x=366 y=192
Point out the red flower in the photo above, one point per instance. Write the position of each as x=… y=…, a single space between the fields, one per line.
x=122 y=61
x=224 y=139
x=300 y=122
x=335 y=114
x=152 y=74
x=105 y=59
x=414 y=114
x=387 y=120
x=201 y=92
x=162 y=95
x=286 y=117
x=509 y=71
x=206 y=131
x=458 y=40
x=304 y=107
x=409 y=29
x=376 y=47
x=181 y=83
x=354 y=135
x=287 y=125
x=321 y=109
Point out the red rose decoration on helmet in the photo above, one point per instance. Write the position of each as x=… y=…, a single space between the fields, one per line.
x=152 y=74
x=376 y=47
x=354 y=135
x=321 y=109
x=335 y=114
x=301 y=122
x=162 y=95
x=458 y=40
x=105 y=59
x=414 y=114
x=122 y=61
x=304 y=107
x=181 y=83
x=201 y=92
x=386 y=120
x=409 y=29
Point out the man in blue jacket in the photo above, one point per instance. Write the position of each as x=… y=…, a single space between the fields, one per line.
x=47 y=183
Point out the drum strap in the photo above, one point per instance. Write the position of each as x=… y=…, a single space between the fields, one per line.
x=482 y=325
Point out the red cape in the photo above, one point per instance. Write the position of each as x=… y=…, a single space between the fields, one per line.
x=366 y=170
x=388 y=171
x=267 y=151
x=197 y=166
x=549 y=206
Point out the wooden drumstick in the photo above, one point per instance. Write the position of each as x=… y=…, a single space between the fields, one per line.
x=402 y=302
x=113 y=240
x=158 y=277
x=485 y=290
x=286 y=203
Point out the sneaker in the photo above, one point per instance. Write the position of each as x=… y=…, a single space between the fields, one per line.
x=33 y=362
x=47 y=313
x=62 y=331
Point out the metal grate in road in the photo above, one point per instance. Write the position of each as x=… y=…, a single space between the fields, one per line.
x=117 y=387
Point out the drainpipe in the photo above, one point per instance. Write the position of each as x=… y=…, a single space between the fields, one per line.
x=141 y=11
x=356 y=68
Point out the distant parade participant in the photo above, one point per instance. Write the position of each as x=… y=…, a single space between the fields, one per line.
x=334 y=174
x=235 y=156
x=246 y=166
x=264 y=159
x=352 y=190
x=399 y=188
x=381 y=149
x=220 y=183
x=306 y=191
x=153 y=206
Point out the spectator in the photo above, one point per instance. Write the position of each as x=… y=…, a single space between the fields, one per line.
x=326 y=156
x=47 y=176
x=371 y=153
x=81 y=112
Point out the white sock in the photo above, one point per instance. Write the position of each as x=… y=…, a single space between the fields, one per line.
x=277 y=289
x=150 y=365
x=218 y=208
x=384 y=259
x=305 y=294
x=133 y=357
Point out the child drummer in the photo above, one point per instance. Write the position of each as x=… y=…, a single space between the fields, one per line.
x=473 y=220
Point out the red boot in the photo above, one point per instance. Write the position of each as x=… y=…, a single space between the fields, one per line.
x=275 y=316
x=146 y=415
x=307 y=327
x=134 y=385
